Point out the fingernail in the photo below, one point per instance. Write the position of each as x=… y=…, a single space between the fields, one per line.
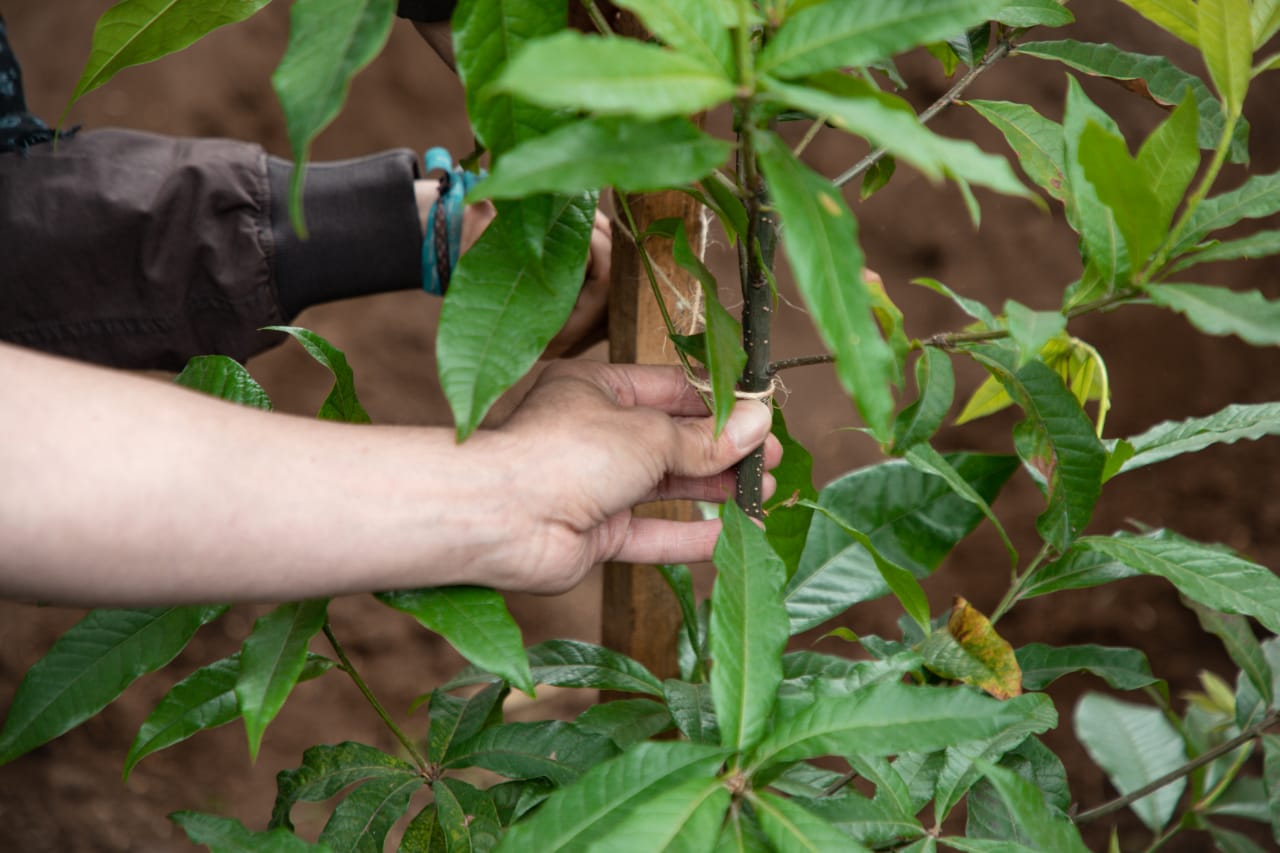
x=748 y=425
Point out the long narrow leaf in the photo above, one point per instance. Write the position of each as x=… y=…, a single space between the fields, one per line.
x=1227 y=426
x=748 y=630
x=822 y=244
x=225 y=378
x=271 y=662
x=551 y=750
x=329 y=42
x=1227 y=46
x=476 y=622
x=361 y=821
x=133 y=32
x=92 y=664
x=608 y=792
x=341 y=404
x=326 y=770
x=203 y=700
x=228 y=835
x=1046 y=828
x=1123 y=669
x=1207 y=574
x=1161 y=80
x=1218 y=311
x=792 y=827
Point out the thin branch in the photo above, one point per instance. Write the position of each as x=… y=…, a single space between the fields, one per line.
x=1191 y=766
x=1000 y=51
x=800 y=361
x=597 y=17
x=346 y=666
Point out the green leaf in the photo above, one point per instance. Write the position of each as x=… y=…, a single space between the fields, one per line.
x=748 y=630
x=228 y=835
x=1031 y=330
x=786 y=519
x=327 y=769
x=964 y=763
x=877 y=176
x=989 y=817
x=203 y=700
x=887 y=719
x=1103 y=249
x=1219 y=311
x=971 y=651
x=486 y=36
x=742 y=834
x=723 y=336
x=889 y=122
x=1170 y=157
x=361 y=821
x=133 y=32
x=1174 y=16
x=220 y=376
x=1227 y=426
x=1135 y=745
x=900 y=581
x=1237 y=637
x=1257 y=197
x=1123 y=669
x=972 y=307
x=1210 y=575
x=728 y=207
x=680 y=581
x=936 y=382
x=272 y=660
x=822 y=244
x=476 y=622
x=809 y=675
x=1034 y=13
x=913 y=519
x=692 y=709
x=1226 y=43
x=508 y=296
x=1271 y=776
x=627 y=154
x=342 y=403
x=1229 y=841
x=1264 y=21
x=90 y=665
x=929 y=461
x=1072 y=459
x=1249 y=704
x=626 y=722
x=330 y=41
x=837 y=35
x=691 y=27
x=1122 y=185
x=424 y=834
x=685 y=818
x=1155 y=77
x=1047 y=828
x=581 y=813
x=1079 y=568
x=572 y=663
x=874 y=823
x=455 y=719
x=552 y=750
x=1036 y=140
x=793 y=828
x=1259 y=245
x=613 y=76
x=467 y=816
x=1271 y=63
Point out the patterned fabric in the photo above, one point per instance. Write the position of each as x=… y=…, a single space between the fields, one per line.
x=19 y=129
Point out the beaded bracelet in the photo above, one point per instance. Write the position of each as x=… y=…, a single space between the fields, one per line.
x=443 y=244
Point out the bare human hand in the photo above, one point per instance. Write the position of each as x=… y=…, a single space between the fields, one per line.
x=589 y=443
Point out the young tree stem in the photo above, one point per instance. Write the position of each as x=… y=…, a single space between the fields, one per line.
x=346 y=666
x=755 y=265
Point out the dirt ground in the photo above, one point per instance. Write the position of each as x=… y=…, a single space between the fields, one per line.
x=68 y=797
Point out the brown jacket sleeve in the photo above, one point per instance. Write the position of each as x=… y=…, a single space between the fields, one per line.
x=140 y=251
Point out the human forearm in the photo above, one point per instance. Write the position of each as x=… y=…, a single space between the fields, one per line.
x=123 y=490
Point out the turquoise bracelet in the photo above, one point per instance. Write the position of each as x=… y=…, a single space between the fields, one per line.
x=443 y=243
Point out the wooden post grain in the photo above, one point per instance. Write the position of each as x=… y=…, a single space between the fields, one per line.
x=640 y=616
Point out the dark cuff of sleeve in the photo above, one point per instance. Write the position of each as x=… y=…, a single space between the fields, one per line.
x=426 y=11
x=364 y=234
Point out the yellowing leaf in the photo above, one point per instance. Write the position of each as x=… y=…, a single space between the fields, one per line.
x=1080 y=366
x=971 y=651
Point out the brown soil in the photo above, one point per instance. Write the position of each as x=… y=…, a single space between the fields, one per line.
x=68 y=797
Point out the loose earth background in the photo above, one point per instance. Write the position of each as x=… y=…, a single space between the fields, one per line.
x=68 y=797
